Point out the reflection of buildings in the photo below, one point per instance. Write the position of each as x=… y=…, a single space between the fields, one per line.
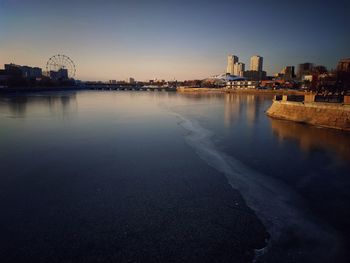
x=20 y=106
x=251 y=105
x=232 y=108
x=242 y=106
x=310 y=137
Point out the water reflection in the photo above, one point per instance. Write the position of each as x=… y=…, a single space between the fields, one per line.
x=243 y=106
x=119 y=134
x=312 y=138
x=55 y=103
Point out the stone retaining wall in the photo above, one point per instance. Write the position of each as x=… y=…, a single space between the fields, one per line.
x=330 y=115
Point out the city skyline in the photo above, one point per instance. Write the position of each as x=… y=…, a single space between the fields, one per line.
x=122 y=39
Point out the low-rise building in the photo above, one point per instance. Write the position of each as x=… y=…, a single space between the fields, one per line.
x=308 y=78
x=242 y=84
x=130 y=80
x=254 y=75
x=23 y=71
x=61 y=74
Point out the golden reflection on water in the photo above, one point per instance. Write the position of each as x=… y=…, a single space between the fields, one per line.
x=310 y=137
x=243 y=105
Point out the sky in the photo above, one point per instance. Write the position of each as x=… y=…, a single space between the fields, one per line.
x=172 y=39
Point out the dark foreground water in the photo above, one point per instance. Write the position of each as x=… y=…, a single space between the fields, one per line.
x=166 y=177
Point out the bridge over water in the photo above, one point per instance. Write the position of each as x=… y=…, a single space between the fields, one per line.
x=133 y=87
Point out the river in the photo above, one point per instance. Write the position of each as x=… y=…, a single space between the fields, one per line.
x=143 y=176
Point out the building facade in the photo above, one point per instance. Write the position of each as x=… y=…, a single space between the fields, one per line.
x=343 y=73
x=242 y=84
x=24 y=71
x=304 y=69
x=130 y=80
x=344 y=65
x=61 y=74
x=238 y=69
x=256 y=63
x=288 y=73
x=231 y=61
x=254 y=75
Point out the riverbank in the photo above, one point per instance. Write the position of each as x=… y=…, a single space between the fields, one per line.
x=39 y=89
x=179 y=89
x=329 y=115
x=245 y=91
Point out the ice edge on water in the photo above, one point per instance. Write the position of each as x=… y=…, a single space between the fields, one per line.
x=276 y=205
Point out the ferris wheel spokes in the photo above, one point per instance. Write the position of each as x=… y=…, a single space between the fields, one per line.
x=60 y=62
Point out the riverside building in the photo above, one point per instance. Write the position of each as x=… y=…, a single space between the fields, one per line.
x=256 y=63
x=231 y=61
x=238 y=69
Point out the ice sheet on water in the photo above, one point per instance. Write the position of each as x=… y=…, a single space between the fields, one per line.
x=277 y=205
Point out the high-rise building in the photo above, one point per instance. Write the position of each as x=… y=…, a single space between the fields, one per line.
x=344 y=65
x=343 y=73
x=231 y=60
x=256 y=63
x=288 y=73
x=238 y=69
x=304 y=69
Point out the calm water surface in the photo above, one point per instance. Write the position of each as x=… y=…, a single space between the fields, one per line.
x=75 y=166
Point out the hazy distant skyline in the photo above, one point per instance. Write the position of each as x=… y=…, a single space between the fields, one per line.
x=177 y=39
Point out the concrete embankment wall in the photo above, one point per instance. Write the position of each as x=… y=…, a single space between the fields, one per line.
x=320 y=114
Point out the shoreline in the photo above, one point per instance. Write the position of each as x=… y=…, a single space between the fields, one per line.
x=179 y=89
x=247 y=91
x=326 y=115
x=40 y=89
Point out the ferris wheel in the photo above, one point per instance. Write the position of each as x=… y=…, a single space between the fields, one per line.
x=59 y=62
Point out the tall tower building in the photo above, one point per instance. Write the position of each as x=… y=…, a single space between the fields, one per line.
x=256 y=63
x=231 y=60
x=239 y=69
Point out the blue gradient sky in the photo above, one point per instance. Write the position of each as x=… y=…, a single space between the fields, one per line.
x=175 y=39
